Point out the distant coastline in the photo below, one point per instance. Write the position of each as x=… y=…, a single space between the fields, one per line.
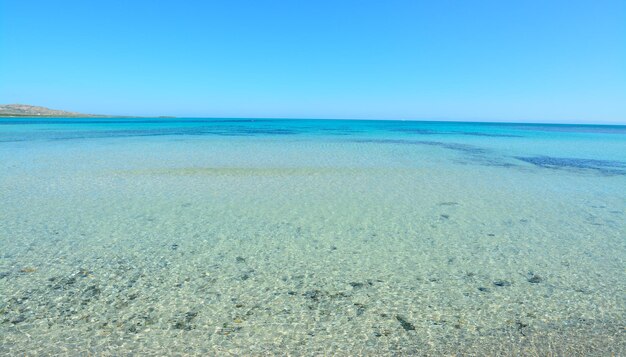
x=3 y=115
x=25 y=110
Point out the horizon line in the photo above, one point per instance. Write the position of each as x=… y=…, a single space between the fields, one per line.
x=430 y=120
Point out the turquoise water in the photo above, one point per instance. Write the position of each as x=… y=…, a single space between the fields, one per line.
x=309 y=237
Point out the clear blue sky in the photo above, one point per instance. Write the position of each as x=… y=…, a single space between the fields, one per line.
x=545 y=60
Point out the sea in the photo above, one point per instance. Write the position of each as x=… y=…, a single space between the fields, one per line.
x=257 y=237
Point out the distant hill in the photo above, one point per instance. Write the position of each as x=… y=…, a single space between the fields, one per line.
x=22 y=110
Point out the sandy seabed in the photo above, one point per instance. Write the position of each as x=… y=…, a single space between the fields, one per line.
x=253 y=247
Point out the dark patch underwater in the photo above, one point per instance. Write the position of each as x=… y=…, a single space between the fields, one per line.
x=605 y=167
x=473 y=154
x=470 y=133
x=470 y=149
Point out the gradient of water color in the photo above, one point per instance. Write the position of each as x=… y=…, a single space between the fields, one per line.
x=256 y=237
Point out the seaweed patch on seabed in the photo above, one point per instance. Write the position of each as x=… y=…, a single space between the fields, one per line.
x=604 y=167
x=452 y=146
x=469 y=149
x=471 y=133
x=414 y=131
x=474 y=154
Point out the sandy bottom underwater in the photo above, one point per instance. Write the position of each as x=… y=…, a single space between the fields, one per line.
x=152 y=258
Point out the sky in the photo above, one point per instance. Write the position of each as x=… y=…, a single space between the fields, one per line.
x=523 y=61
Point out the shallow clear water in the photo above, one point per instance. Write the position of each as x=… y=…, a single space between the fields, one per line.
x=254 y=237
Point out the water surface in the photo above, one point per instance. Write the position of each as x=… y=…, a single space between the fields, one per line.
x=256 y=237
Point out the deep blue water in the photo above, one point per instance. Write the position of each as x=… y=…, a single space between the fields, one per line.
x=68 y=128
x=599 y=148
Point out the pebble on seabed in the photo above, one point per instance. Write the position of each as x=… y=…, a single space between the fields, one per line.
x=501 y=283
x=535 y=279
